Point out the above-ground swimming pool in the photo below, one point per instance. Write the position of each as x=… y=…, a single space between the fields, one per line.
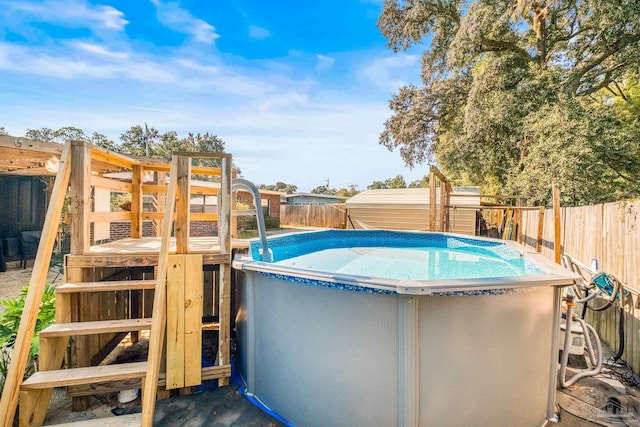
x=386 y=328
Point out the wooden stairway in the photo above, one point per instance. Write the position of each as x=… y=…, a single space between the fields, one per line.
x=53 y=343
x=35 y=392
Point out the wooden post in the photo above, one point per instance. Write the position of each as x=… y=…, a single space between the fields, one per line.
x=224 y=216
x=540 y=229
x=159 y=200
x=13 y=380
x=224 y=210
x=81 y=306
x=80 y=245
x=136 y=200
x=183 y=227
x=156 y=335
x=557 y=247
x=432 y=201
x=518 y=212
x=447 y=209
x=234 y=218
x=80 y=197
x=443 y=202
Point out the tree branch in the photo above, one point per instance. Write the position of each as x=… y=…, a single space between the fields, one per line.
x=622 y=94
x=575 y=78
x=503 y=46
x=603 y=84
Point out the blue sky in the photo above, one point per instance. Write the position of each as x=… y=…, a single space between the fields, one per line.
x=298 y=90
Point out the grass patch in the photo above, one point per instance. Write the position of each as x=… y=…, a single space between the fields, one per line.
x=247 y=234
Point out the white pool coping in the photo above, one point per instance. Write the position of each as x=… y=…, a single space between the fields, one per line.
x=556 y=275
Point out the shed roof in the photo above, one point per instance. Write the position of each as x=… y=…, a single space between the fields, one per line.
x=315 y=196
x=412 y=196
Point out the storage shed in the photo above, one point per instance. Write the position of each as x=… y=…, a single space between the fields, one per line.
x=408 y=209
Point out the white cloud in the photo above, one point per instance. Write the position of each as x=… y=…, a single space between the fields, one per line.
x=96 y=61
x=180 y=20
x=324 y=62
x=258 y=32
x=63 y=65
x=392 y=71
x=98 y=50
x=73 y=13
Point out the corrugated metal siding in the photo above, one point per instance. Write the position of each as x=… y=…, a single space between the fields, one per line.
x=403 y=196
x=462 y=221
x=408 y=209
x=410 y=196
x=390 y=218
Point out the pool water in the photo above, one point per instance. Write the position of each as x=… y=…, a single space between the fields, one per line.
x=413 y=263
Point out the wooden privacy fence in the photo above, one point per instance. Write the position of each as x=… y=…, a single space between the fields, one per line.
x=325 y=216
x=610 y=233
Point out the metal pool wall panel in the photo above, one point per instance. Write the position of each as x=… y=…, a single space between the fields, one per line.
x=484 y=360
x=319 y=356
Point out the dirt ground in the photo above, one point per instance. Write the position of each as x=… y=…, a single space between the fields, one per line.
x=14 y=279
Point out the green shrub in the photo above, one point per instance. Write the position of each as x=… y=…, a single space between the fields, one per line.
x=10 y=322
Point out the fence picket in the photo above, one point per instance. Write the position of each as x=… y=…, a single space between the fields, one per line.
x=324 y=216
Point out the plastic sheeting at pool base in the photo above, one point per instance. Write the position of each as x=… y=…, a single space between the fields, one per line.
x=236 y=378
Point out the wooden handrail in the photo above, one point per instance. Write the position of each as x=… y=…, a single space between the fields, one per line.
x=154 y=215
x=156 y=336
x=203 y=154
x=196 y=170
x=195 y=190
x=109 y=157
x=112 y=184
x=203 y=216
x=434 y=170
x=109 y=216
x=195 y=216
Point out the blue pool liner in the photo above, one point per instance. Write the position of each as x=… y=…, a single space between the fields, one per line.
x=293 y=245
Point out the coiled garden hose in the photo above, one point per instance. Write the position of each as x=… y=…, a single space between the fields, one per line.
x=589 y=333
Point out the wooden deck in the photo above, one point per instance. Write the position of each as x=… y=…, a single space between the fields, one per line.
x=105 y=297
x=151 y=245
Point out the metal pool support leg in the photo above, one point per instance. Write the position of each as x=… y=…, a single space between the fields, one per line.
x=408 y=369
x=553 y=359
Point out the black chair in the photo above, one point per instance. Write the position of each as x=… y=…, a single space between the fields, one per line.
x=29 y=241
x=3 y=265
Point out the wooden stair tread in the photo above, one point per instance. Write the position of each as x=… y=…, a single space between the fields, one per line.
x=120 y=421
x=89 y=375
x=117 y=285
x=96 y=327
